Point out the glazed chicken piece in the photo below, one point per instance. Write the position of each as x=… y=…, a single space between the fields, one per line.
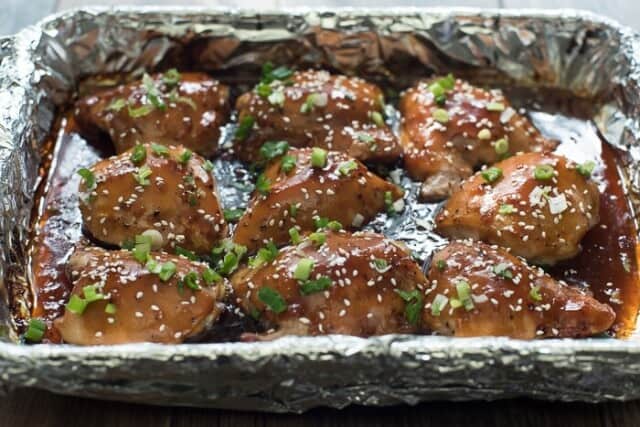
x=338 y=283
x=450 y=127
x=168 y=109
x=117 y=299
x=338 y=188
x=167 y=193
x=538 y=205
x=316 y=109
x=481 y=290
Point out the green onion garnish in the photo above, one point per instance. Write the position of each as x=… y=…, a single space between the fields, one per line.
x=192 y=280
x=142 y=248
x=365 y=137
x=265 y=255
x=438 y=304
x=117 y=105
x=153 y=94
x=110 y=308
x=501 y=146
x=232 y=215
x=503 y=270
x=495 y=106
x=272 y=299
x=263 y=89
x=293 y=210
x=263 y=185
x=276 y=98
x=320 y=284
x=185 y=156
x=309 y=103
x=295 y=235
x=318 y=238
x=288 y=163
x=586 y=169
x=441 y=264
x=534 y=293
x=180 y=251
x=76 y=304
x=318 y=157
x=334 y=225
x=506 y=209
x=244 y=128
x=543 y=172
x=440 y=115
x=35 y=330
x=413 y=305
x=209 y=276
x=346 y=168
x=144 y=172
x=138 y=154
x=377 y=118
x=88 y=178
x=171 y=77
x=303 y=269
x=140 y=111
x=491 y=174
x=207 y=166
x=464 y=294
x=159 y=149
x=272 y=149
x=167 y=270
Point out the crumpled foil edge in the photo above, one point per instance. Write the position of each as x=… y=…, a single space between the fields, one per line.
x=40 y=68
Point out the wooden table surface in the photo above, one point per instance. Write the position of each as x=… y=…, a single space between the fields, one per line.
x=42 y=409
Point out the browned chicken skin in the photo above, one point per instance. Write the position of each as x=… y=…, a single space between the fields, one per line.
x=176 y=202
x=342 y=190
x=481 y=290
x=445 y=137
x=136 y=304
x=168 y=109
x=542 y=220
x=371 y=287
x=317 y=109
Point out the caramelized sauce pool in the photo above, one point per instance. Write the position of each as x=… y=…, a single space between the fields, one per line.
x=607 y=265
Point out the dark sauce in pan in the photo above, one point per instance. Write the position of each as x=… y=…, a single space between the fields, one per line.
x=607 y=265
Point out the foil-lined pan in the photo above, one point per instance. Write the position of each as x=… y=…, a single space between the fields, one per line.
x=40 y=69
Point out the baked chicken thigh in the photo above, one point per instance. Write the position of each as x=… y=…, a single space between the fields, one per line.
x=305 y=187
x=117 y=299
x=166 y=192
x=333 y=283
x=537 y=205
x=316 y=109
x=169 y=109
x=450 y=127
x=481 y=290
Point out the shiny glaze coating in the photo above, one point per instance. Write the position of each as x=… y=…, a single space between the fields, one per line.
x=179 y=201
x=315 y=192
x=362 y=299
x=341 y=120
x=528 y=305
x=546 y=220
x=442 y=154
x=196 y=107
x=147 y=309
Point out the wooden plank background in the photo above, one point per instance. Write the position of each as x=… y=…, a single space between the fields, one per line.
x=38 y=408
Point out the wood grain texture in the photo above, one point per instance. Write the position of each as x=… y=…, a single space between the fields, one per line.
x=41 y=409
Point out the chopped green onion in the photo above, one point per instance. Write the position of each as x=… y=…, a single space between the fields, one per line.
x=334 y=225
x=464 y=295
x=288 y=163
x=438 y=304
x=413 y=306
x=207 y=166
x=191 y=279
x=293 y=210
x=180 y=251
x=173 y=97
x=138 y=154
x=35 y=330
x=117 y=105
x=365 y=137
x=159 y=149
x=171 y=77
x=303 y=269
x=76 y=304
x=380 y=264
x=389 y=203
x=506 y=209
x=534 y=293
x=320 y=284
x=167 y=270
x=436 y=89
x=269 y=74
x=276 y=98
x=441 y=264
x=110 y=308
x=272 y=299
x=377 y=118
x=318 y=238
x=272 y=149
x=153 y=266
x=88 y=178
x=141 y=111
x=347 y=167
x=440 y=115
x=209 y=276
x=91 y=293
x=265 y=255
x=153 y=94
x=232 y=215
x=320 y=222
x=586 y=169
x=484 y=134
x=441 y=100
x=543 y=172
x=142 y=248
x=185 y=156
x=491 y=174
x=503 y=270
x=501 y=146
x=295 y=235
x=495 y=106
x=244 y=128
x=263 y=185
x=309 y=103
x=144 y=172
x=318 y=157
x=447 y=82
x=263 y=89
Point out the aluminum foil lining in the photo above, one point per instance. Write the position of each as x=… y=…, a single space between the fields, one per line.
x=40 y=69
